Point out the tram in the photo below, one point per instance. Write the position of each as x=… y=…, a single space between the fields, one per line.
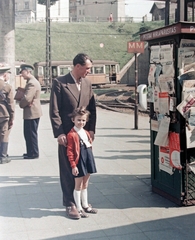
x=102 y=71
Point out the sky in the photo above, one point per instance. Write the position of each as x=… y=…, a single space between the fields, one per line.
x=138 y=8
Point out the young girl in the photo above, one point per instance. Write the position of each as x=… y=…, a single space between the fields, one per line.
x=79 y=152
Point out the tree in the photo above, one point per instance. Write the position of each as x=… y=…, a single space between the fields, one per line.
x=44 y=2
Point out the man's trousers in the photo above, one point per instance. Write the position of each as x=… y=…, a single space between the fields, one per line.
x=31 y=136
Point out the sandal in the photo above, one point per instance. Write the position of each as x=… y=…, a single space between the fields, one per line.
x=89 y=209
x=83 y=214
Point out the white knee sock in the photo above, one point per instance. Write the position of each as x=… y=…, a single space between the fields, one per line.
x=77 y=199
x=84 y=198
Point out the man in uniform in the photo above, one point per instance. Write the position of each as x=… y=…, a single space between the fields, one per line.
x=32 y=112
x=6 y=112
x=69 y=92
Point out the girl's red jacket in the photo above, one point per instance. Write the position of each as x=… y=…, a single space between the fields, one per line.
x=73 y=147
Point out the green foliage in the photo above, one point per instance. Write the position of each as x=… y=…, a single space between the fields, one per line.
x=68 y=39
x=44 y=2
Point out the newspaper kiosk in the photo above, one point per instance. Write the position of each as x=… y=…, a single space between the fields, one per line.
x=171 y=93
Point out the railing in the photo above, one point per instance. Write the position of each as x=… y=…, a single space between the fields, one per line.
x=29 y=19
x=25 y=19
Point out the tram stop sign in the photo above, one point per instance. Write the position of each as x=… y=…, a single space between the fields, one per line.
x=135 y=47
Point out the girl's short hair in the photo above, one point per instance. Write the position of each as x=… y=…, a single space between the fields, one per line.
x=80 y=112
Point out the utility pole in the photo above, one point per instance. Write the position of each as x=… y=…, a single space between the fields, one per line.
x=136 y=94
x=48 y=77
x=135 y=47
x=7 y=35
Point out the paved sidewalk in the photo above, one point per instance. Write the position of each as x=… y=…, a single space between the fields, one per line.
x=31 y=200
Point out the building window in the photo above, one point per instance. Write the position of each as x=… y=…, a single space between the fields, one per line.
x=83 y=12
x=26 y=5
x=79 y=12
x=83 y=2
x=16 y=6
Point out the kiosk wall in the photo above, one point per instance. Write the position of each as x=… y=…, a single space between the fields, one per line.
x=171 y=93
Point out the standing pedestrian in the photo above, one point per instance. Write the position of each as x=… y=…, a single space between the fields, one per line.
x=80 y=156
x=111 y=18
x=7 y=108
x=68 y=93
x=32 y=112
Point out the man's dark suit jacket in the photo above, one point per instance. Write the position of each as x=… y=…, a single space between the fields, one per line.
x=65 y=97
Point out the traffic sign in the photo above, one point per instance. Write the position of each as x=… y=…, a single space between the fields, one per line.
x=135 y=47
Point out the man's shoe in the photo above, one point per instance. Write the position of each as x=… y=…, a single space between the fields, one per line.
x=25 y=155
x=31 y=157
x=72 y=212
x=4 y=160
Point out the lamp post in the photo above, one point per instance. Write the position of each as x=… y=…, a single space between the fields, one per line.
x=48 y=77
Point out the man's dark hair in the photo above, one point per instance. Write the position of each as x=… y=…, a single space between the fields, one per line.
x=81 y=59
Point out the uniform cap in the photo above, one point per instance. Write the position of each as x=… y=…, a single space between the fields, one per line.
x=26 y=67
x=4 y=68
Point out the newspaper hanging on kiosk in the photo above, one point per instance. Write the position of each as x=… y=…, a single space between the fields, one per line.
x=161 y=92
x=186 y=78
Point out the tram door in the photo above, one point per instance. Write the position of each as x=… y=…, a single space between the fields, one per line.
x=107 y=68
x=111 y=73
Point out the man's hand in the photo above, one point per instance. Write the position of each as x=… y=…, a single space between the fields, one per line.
x=10 y=124
x=62 y=139
x=30 y=105
x=92 y=135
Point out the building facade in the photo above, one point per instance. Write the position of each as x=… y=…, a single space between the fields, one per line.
x=58 y=12
x=158 y=11
x=71 y=11
x=30 y=11
x=25 y=11
x=102 y=10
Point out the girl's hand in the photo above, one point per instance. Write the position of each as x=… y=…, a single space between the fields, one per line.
x=75 y=171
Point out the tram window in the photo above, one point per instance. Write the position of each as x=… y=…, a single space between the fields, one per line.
x=40 y=71
x=91 y=70
x=107 y=69
x=54 y=72
x=64 y=70
x=17 y=71
x=99 y=69
x=44 y=71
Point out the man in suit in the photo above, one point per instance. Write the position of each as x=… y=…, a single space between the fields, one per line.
x=68 y=93
x=7 y=108
x=32 y=112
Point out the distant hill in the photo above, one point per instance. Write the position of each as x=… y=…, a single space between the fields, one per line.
x=68 y=39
